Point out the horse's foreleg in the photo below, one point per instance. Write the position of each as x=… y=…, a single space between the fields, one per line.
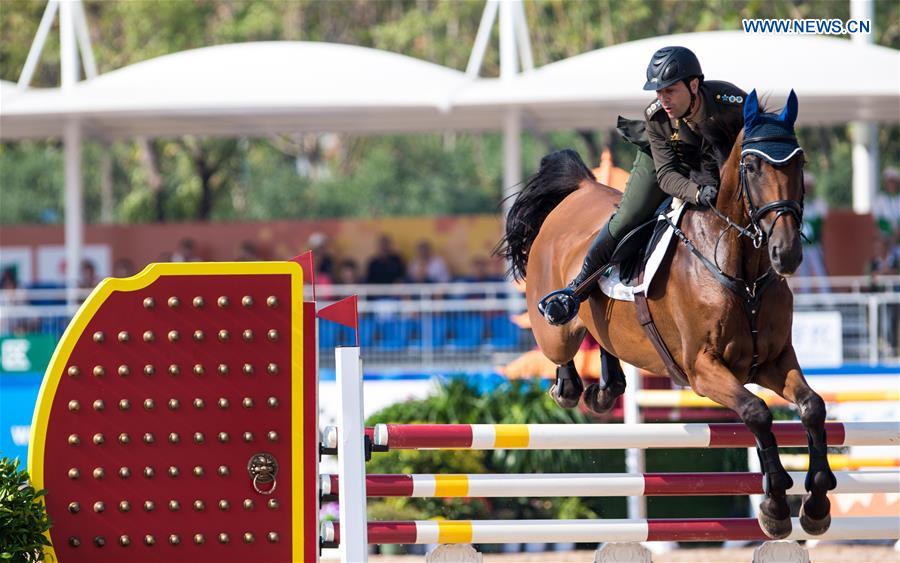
x=717 y=382
x=786 y=379
x=601 y=396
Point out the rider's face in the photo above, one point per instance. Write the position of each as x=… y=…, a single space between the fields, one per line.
x=676 y=99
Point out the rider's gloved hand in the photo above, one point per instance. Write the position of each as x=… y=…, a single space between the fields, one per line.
x=707 y=195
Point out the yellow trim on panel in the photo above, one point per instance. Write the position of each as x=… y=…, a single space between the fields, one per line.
x=459 y=531
x=511 y=436
x=73 y=332
x=298 y=415
x=451 y=485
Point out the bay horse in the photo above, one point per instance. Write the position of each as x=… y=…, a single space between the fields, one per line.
x=704 y=324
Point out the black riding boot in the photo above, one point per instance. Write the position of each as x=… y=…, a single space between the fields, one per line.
x=561 y=306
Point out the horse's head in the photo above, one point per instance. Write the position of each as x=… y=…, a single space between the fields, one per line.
x=771 y=178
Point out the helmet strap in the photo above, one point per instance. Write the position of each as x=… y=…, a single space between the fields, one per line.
x=690 y=108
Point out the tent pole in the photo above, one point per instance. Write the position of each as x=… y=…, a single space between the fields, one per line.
x=37 y=46
x=864 y=134
x=476 y=59
x=74 y=216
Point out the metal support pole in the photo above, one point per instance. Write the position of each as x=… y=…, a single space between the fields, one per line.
x=512 y=156
x=482 y=37
x=68 y=48
x=508 y=56
x=37 y=46
x=354 y=547
x=864 y=135
x=106 y=185
x=74 y=214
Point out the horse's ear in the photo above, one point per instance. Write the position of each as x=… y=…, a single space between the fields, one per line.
x=751 y=108
x=791 y=109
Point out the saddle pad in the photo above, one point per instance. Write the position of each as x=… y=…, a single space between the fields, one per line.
x=611 y=283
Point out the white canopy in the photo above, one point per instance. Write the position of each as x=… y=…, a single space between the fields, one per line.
x=261 y=88
x=836 y=80
x=244 y=89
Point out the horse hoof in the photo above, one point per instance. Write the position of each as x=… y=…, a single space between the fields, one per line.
x=814 y=526
x=564 y=402
x=598 y=400
x=774 y=528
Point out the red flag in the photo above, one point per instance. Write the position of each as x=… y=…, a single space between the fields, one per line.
x=344 y=313
x=306 y=262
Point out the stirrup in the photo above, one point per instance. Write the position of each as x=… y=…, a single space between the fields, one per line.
x=560 y=306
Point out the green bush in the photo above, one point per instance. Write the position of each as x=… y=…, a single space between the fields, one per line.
x=23 y=517
x=510 y=403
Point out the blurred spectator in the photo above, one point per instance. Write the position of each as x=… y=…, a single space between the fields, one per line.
x=123 y=268
x=347 y=272
x=887 y=263
x=248 y=252
x=427 y=267
x=186 y=251
x=887 y=259
x=88 y=276
x=481 y=272
x=387 y=266
x=10 y=294
x=324 y=259
x=814 y=211
x=9 y=284
x=886 y=206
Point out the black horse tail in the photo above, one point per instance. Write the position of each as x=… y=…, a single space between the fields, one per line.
x=559 y=175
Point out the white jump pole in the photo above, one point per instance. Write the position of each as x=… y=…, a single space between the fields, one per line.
x=351 y=456
x=634 y=457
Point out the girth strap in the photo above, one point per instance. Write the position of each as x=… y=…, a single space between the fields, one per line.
x=646 y=319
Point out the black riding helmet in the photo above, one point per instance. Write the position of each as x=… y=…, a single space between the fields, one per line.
x=671 y=64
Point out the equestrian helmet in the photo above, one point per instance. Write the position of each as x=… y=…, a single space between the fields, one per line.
x=671 y=64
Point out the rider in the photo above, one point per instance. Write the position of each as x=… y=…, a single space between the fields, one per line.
x=681 y=160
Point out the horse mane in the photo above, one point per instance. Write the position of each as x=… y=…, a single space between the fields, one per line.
x=559 y=175
x=721 y=131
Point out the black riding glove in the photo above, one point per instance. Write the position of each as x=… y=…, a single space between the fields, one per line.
x=707 y=195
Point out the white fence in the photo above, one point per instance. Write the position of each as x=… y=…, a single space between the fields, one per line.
x=464 y=325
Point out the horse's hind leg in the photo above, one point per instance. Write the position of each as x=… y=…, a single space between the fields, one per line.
x=559 y=345
x=718 y=383
x=786 y=379
x=601 y=396
x=567 y=389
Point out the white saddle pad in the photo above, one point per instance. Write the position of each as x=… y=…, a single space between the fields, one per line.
x=610 y=282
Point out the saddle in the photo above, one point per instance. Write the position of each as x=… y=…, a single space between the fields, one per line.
x=640 y=252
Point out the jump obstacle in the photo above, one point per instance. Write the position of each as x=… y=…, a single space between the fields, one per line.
x=178 y=422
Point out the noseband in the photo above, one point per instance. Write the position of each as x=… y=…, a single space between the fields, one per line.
x=780 y=207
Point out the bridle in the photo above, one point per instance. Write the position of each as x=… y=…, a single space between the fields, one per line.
x=781 y=207
x=754 y=230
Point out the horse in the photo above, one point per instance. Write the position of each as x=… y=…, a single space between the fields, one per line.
x=720 y=300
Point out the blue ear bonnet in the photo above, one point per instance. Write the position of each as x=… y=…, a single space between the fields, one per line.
x=768 y=135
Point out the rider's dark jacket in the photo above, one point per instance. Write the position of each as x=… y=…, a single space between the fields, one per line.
x=685 y=156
